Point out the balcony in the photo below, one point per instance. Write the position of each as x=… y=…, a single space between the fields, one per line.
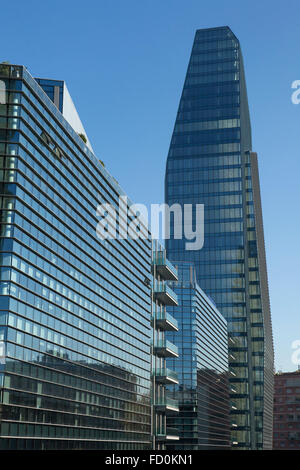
x=164 y=348
x=165 y=321
x=166 y=404
x=166 y=376
x=163 y=266
x=171 y=434
x=164 y=294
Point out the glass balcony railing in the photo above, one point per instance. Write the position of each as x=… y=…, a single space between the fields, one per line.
x=167 y=434
x=165 y=321
x=172 y=432
x=164 y=267
x=165 y=348
x=164 y=294
x=166 y=376
x=167 y=403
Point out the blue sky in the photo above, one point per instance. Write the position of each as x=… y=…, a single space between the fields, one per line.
x=124 y=63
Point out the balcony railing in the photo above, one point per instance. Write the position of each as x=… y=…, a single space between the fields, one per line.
x=168 y=434
x=167 y=404
x=165 y=348
x=166 y=376
x=164 y=267
x=164 y=294
x=165 y=321
x=172 y=433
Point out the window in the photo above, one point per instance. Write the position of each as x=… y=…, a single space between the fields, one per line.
x=2 y=92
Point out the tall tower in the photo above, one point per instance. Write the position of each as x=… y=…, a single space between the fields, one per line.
x=211 y=162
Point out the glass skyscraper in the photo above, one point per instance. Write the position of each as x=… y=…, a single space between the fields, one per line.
x=203 y=421
x=210 y=161
x=75 y=311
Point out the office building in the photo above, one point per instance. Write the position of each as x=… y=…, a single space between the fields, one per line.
x=286 y=435
x=203 y=421
x=75 y=310
x=211 y=162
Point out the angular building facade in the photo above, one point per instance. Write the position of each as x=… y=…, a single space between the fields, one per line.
x=210 y=162
x=75 y=311
x=203 y=421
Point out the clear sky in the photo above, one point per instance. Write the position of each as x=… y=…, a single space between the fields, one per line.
x=124 y=62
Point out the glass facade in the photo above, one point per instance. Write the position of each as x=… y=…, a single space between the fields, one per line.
x=210 y=162
x=75 y=330
x=202 y=367
x=54 y=89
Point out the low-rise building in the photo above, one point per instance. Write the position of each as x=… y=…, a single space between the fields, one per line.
x=203 y=421
x=286 y=430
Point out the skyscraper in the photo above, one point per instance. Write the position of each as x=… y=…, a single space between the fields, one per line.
x=211 y=162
